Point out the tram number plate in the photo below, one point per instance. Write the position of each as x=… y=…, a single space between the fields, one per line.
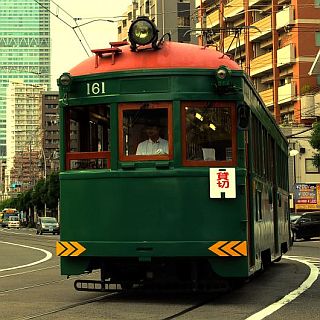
x=50 y=228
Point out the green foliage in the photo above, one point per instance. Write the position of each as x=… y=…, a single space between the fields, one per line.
x=53 y=191
x=315 y=136
x=8 y=203
x=45 y=191
x=315 y=143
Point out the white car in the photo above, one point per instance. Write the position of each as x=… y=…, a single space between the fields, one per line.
x=14 y=222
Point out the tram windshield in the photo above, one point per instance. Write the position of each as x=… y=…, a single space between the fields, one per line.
x=208 y=132
x=144 y=131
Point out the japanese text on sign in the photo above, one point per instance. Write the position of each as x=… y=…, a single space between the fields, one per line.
x=222 y=183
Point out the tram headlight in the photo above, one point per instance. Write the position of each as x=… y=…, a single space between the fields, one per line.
x=65 y=81
x=223 y=78
x=142 y=32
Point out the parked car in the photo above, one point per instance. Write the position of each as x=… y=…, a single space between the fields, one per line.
x=306 y=226
x=294 y=216
x=47 y=225
x=13 y=222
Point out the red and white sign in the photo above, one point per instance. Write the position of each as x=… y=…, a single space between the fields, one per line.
x=222 y=183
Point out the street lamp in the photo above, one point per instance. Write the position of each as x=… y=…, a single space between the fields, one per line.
x=292 y=154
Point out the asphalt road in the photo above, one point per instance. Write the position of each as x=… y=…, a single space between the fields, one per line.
x=31 y=288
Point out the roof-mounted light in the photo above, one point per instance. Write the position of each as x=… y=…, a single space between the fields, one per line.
x=143 y=32
x=223 y=79
x=65 y=80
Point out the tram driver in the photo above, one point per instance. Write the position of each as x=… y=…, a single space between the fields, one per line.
x=154 y=145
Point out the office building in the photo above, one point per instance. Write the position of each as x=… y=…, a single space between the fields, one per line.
x=24 y=49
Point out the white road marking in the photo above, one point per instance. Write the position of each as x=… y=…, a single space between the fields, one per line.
x=46 y=258
x=314 y=273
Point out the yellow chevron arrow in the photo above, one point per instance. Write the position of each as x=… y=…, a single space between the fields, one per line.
x=59 y=248
x=79 y=248
x=70 y=249
x=215 y=248
x=228 y=248
x=242 y=248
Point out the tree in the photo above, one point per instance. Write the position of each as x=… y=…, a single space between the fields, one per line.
x=53 y=191
x=315 y=143
x=44 y=192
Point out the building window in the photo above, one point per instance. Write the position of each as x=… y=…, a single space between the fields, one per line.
x=147 y=7
x=183 y=21
x=318 y=37
x=310 y=167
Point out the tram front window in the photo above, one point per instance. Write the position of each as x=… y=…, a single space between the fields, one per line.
x=208 y=132
x=88 y=137
x=145 y=132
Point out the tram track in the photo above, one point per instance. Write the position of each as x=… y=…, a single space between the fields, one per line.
x=115 y=295
x=69 y=306
x=43 y=241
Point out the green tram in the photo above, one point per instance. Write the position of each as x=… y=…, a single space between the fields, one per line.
x=172 y=169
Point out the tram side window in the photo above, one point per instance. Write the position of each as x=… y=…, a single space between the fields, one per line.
x=209 y=130
x=144 y=131
x=89 y=134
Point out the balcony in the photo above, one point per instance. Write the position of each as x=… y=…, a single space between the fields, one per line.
x=252 y=2
x=213 y=19
x=286 y=93
x=233 y=8
x=264 y=25
x=286 y=55
x=267 y=97
x=285 y=17
x=261 y=64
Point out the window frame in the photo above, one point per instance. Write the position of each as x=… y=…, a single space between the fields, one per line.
x=305 y=165
x=81 y=155
x=152 y=105
x=209 y=163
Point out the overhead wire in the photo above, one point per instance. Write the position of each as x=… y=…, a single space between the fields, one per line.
x=63 y=21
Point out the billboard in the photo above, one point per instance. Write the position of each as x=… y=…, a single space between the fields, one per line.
x=307 y=196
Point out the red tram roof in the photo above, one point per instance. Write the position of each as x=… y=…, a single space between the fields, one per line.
x=171 y=55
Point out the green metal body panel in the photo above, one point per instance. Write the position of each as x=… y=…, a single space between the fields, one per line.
x=149 y=213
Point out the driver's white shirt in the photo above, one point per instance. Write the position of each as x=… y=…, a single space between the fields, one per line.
x=149 y=147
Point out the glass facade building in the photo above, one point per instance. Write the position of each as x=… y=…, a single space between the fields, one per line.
x=25 y=49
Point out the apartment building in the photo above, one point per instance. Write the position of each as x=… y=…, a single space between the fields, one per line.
x=275 y=42
x=176 y=17
x=24 y=135
x=50 y=129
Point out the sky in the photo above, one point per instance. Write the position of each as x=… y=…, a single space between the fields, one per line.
x=67 y=50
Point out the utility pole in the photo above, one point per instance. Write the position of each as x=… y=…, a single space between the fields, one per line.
x=44 y=175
